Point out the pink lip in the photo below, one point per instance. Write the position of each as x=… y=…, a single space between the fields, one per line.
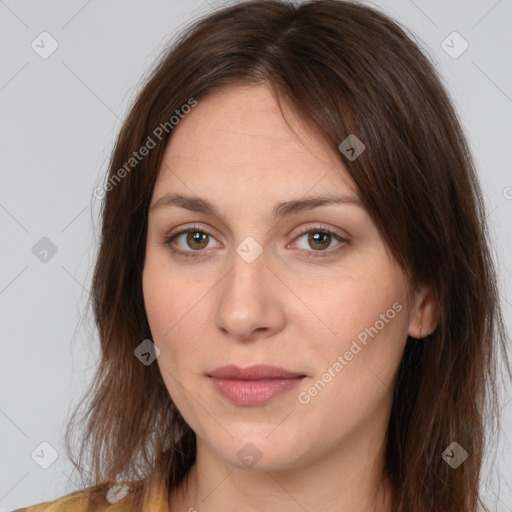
x=255 y=385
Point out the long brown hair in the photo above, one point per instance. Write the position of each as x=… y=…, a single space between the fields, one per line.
x=348 y=69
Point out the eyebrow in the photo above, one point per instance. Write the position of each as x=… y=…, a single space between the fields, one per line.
x=282 y=209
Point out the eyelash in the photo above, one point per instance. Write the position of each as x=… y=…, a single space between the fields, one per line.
x=200 y=253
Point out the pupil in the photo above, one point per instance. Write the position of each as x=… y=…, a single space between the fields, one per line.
x=316 y=237
x=196 y=238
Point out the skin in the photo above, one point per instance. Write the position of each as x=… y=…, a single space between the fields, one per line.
x=284 y=309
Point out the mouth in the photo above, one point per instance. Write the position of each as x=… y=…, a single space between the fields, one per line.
x=258 y=372
x=255 y=385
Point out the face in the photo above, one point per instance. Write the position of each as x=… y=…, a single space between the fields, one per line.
x=307 y=289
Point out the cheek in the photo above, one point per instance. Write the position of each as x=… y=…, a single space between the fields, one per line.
x=353 y=303
x=176 y=314
x=354 y=369
x=166 y=296
x=162 y=309
x=156 y=300
x=366 y=315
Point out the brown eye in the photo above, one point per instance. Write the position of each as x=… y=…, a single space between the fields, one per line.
x=189 y=242
x=197 y=237
x=319 y=239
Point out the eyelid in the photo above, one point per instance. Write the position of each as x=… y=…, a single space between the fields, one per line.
x=303 y=229
x=187 y=229
x=318 y=227
x=321 y=227
x=168 y=239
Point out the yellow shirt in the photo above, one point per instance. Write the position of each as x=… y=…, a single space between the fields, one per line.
x=117 y=498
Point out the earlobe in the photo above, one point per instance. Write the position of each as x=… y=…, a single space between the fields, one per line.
x=425 y=316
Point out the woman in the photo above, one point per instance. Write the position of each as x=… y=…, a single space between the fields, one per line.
x=295 y=297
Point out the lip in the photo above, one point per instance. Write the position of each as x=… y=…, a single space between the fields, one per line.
x=254 y=385
x=257 y=372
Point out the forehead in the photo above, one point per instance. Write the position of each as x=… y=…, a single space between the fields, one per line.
x=237 y=136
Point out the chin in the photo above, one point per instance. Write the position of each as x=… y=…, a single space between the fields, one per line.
x=261 y=452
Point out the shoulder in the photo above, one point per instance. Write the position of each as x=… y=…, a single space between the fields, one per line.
x=105 y=498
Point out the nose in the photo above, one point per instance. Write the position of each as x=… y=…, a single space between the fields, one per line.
x=249 y=300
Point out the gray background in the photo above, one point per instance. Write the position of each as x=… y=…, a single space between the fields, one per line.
x=59 y=119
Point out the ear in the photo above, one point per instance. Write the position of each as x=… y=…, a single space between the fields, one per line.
x=424 y=313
